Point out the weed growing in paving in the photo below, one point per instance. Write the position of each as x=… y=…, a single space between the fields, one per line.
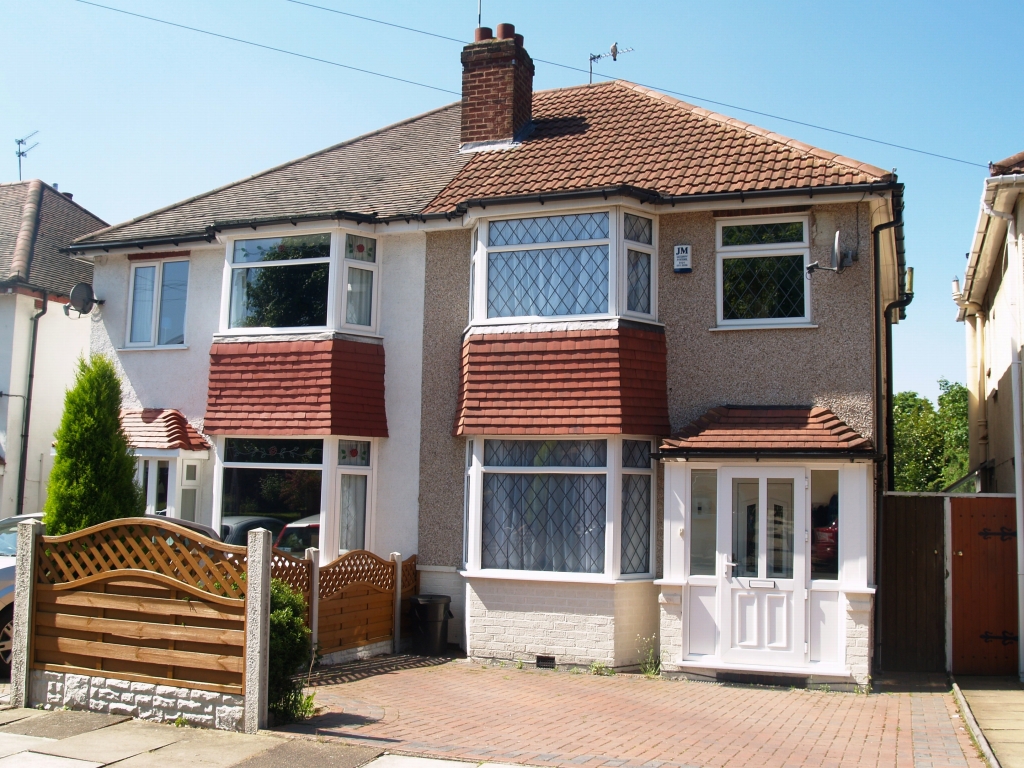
x=600 y=668
x=650 y=662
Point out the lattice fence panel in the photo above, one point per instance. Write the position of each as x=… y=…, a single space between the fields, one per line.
x=410 y=578
x=358 y=566
x=296 y=573
x=132 y=544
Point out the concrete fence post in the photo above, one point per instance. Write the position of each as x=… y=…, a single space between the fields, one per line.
x=396 y=645
x=313 y=555
x=24 y=580
x=257 y=630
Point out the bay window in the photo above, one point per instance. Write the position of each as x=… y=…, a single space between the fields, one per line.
x=593 y=264
x=353 y=484
x=272 y=477
x=292 y=282
x=552 y=505
x=158 y=292
x=762 y=272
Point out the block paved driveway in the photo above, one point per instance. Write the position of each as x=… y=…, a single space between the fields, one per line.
x=463 y=710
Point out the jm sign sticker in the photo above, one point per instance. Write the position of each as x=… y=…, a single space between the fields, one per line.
x=681 y=262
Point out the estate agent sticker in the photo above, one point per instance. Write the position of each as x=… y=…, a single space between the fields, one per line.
x=682 y=259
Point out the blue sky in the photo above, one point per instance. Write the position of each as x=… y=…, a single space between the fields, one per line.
x=134 y=115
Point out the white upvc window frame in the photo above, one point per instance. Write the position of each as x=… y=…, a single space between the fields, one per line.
x=337 y=281
x=369 y=472
x=722 y=253
x=153 y=343
x=177 y=460
x=617 y=247
x=613 y=471
x=624 y=247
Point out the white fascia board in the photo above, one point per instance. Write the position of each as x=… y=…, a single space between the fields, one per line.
x=164 y=453
x=1000 y=194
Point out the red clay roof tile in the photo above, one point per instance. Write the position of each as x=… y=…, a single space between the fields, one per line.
x=163 y=428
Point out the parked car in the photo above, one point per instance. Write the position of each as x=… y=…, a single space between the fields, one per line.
x=295 y=538
x=234 y=529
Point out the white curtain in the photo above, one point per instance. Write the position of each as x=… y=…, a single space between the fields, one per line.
x=353 y=512
x=360 y=296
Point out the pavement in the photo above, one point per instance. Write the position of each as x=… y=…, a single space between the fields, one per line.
x=500 y=714
x=997 y=703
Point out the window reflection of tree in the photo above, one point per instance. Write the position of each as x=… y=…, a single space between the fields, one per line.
x=288 y=296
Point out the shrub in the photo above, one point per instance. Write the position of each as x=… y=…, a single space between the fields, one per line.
x=93 y=476
x=290 y=653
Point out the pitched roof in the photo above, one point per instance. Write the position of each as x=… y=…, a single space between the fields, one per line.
x=395 y=170
x=163 y=428
x=617 y=133
x=36 y=221
x=771 y=429
x=1011 y=164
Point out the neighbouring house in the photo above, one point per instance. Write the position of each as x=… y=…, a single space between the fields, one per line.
x=586 y=352
x=39 y=341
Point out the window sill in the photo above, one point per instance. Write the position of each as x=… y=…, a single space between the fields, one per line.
x=551 y=576
x=307 y=333
x=160 y=348
x=764 y=327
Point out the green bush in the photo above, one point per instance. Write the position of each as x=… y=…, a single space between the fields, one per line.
x=93 y=476
x=290 y=654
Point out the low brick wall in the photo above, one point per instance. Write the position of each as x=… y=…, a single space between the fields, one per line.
x=146 y=701
x=577 y=623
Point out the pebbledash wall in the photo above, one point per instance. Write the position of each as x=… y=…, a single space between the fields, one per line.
x=831 y=365
x=146 y=701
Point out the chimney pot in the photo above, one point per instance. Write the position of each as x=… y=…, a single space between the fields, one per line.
x=519 y=40
x=483 y=33
x=68 y=195
x=506 y=31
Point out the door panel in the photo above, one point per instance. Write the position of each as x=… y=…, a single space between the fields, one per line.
x=746 y=619
x=778 y=621
x=984 y=546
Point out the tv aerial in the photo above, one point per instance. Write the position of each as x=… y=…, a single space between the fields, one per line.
x=613 y=54
x=24 y=152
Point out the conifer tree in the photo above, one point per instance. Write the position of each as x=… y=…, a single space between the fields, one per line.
x=93 y=476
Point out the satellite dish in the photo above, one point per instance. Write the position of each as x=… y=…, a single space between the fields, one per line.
x=837 y=256
x=82 y=299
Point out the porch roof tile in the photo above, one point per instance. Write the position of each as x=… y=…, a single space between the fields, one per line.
x=161 y=428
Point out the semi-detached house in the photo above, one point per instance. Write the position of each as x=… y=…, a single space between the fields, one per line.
x=563 y=345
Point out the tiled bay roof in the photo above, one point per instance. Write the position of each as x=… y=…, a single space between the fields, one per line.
x=617 y=133
x=1012 y=164
x=396 y=170
x=767 y=429
x=163 y=428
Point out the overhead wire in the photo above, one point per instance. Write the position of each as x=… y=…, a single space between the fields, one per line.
x=655 y=88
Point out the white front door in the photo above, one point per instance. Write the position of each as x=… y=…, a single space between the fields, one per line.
x=762 y=582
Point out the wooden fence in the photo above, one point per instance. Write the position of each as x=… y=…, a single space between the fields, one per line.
x=143 y=601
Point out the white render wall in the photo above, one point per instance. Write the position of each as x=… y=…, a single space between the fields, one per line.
x=61 y=341
x=577 y=623
x=439 y=580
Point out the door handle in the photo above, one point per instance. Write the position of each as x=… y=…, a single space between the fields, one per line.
x=728 y=564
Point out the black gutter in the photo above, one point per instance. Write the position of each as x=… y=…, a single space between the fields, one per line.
x=27 y=415
x=622 y=190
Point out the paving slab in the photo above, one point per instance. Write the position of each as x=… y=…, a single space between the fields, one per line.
x=306 y=753
x=63 y=724
x=997 y=703
x=13 y=715
x=199 y=748
x=117 y=742
x=12 y=743
x=408 y=761
x=34 y=760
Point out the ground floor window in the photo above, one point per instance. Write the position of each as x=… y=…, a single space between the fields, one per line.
x=543 y=505
x=170 y=485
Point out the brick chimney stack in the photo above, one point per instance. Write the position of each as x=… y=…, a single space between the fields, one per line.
x=497 y=87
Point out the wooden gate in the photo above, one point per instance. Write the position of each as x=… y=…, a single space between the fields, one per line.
x=910 y=602
x=984 y=546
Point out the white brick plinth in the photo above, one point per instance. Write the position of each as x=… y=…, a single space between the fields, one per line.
x=858 y=637
x=146 y=701
x=670 y=604
x=577 y=623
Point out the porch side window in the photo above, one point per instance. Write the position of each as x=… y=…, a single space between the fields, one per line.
x=277 y=477
x=544 y=505
x=548 y=266
x=158 y=297
x=703 y=521
x=762 y=275
x=280 y=282
x=824 y=524
x=637 y=503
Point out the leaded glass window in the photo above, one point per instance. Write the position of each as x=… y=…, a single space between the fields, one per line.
x=545 y=453
x=548 y=229
x=638 y=277
x=636 y=524
x=639 y=229
x=762 y=234
x=636 y=454
x=767 y=287
x=548 y=281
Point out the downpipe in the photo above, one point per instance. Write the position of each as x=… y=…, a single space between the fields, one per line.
x=27 y=415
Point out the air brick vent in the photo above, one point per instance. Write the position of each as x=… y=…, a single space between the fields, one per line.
x=545 y=662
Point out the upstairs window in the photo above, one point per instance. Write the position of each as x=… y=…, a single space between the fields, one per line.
x=638 y=234
x=158 y=297
x=762 y=272
x=303 y=281
x=280 y=282
x=548 y=266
